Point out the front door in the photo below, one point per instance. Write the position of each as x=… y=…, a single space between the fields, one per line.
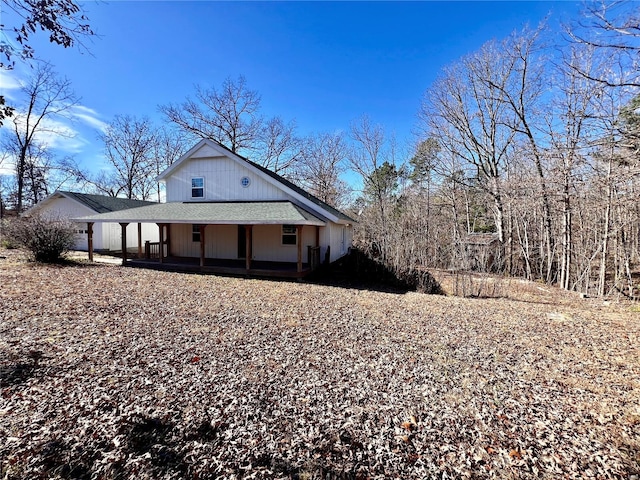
x=242 y=241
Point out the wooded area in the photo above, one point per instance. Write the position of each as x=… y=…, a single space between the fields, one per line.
x=539 y=149
x=525 y=160
x=527 y=163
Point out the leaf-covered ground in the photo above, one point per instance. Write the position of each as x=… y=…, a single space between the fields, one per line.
x=110 y=372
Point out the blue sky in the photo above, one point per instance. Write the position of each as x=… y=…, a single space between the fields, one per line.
x=322 y=64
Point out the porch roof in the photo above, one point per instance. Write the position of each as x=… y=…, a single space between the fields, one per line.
x=219 y=213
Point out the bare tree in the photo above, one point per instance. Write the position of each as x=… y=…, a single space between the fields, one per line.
x=228 y=115
x=366 y=157
x=372 y=157
x=569 y=140
x=321 y=165
x=129 y=145
x=466 y=112
x=277 y=147
x=6 y=187
x=231 y=116
x=612 y=29
x=48 y=97
x=523 y=92
x=169 y=145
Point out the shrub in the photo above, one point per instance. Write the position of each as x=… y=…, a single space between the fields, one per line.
x=47 y=238
x=363 y=269
x=8 y=243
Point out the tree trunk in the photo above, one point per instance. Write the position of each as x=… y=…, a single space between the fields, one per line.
x=602 y=278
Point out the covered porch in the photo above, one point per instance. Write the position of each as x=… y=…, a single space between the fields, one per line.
x=261 y=239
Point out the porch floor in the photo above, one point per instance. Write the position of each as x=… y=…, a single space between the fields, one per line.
x=224 y=266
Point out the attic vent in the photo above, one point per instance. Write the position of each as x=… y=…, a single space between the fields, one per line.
x=245 y=181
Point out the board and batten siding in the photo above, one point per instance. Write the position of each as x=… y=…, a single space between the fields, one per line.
x=267 y=244
x=112 y=235
x=106 y=236
x=66 y=208
x=339 y=237
x=221 y=241
x=222 y=182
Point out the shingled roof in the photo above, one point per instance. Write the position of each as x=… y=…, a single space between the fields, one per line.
x=104 y=203
x=221 y=213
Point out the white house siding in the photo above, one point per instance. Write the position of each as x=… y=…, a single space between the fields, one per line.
x=181 y=241
x=339 y=237
x=66 y=208
x=109 y=235
x=106 y=236
x=267 y=244
x=220 y=241
x=222 y=178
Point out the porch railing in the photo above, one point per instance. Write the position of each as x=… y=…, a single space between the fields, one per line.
x=313 y=257
x=151 y=250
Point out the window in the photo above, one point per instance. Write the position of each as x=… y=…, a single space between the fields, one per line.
x=289 y=235
x=195 y=233
x=197 y=187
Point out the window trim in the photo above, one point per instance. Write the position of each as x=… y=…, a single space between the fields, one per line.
x=289 y=234
x=198 y=188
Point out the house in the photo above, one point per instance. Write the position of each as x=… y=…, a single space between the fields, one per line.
x=106 y=235
x=226 y=214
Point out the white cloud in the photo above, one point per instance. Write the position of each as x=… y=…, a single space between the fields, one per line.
x=89 y=116
x=7 y=168
x=55 y=133
x=8 y=80
x=67 y=134
x=9 y=84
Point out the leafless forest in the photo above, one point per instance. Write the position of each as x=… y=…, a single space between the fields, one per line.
x=527 y=165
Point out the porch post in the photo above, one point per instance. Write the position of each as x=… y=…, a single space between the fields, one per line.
x=317 y=236
x=161 y=245
x=123 y=226
x=299 y=238
x=168 y=239
x=202 y=228
x=139 y=240
x=90 y=240
x=248 y=235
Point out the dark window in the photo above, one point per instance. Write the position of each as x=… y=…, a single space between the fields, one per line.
x=195 y=233
x=289 y=235
x=197 y=187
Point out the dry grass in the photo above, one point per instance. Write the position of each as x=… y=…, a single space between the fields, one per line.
x=111 y=372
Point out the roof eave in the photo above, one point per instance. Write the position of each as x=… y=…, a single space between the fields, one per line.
x=46 y=201
x=95 y=219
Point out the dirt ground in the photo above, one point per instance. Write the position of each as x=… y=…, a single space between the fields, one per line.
x=113 y=372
